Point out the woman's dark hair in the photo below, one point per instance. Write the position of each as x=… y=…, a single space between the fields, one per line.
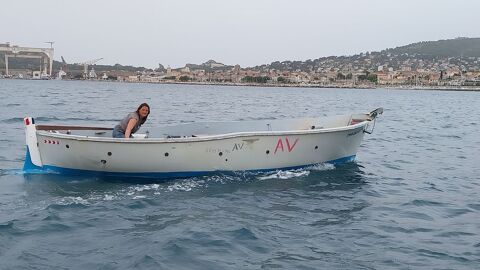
x=142 y=120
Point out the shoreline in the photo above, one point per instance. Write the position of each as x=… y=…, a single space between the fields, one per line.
x=320 y=86
x=362 y=87
x=365 y=87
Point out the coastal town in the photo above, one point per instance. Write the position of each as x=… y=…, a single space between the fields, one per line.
x=401 y=67
x=367 y=71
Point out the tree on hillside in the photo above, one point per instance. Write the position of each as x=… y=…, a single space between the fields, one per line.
x=184 y=78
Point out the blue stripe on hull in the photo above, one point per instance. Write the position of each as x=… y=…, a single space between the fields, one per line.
x=30 y=168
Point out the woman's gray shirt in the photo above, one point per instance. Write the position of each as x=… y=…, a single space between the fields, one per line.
x=124 y=123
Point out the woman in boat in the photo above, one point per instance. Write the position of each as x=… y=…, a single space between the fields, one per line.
x=132 y=122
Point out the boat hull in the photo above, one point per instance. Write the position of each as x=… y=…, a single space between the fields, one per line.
x=30 y=168
x=177 y=158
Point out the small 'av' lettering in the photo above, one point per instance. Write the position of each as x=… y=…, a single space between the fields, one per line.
x=237 y=146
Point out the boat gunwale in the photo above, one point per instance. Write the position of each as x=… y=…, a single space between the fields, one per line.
x=202 y=137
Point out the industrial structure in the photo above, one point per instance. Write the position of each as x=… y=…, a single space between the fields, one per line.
x=45 y=54
x=91 y=74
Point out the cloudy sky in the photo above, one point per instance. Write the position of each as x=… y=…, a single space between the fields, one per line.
x=246 y=32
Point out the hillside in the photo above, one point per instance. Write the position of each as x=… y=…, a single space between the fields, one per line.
x=460 y=51
x=459 y=47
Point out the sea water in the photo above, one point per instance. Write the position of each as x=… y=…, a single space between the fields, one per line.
x=410 y=201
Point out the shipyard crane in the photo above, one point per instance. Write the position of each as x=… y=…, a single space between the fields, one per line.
x=62 y=73
x=86 y=64
x=51 y=43
x=64 y=64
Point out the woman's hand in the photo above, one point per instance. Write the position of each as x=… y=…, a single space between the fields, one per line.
x=130 y=125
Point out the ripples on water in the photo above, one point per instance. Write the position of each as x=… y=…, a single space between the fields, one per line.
x=411 y=201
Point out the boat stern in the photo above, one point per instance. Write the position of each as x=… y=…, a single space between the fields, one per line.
x=33 y=159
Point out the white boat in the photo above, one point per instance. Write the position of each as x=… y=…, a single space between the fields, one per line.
x=196 y=148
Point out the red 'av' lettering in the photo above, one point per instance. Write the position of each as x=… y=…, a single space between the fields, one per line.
x=289 y=145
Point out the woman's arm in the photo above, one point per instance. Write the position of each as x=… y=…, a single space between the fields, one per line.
x=131 y=123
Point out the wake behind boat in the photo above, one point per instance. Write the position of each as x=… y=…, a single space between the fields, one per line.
x=196 y=148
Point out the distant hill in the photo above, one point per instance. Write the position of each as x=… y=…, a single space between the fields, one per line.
x=427 y=50
x=459 y=47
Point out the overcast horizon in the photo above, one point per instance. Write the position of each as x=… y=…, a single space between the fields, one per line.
x=248 y=33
